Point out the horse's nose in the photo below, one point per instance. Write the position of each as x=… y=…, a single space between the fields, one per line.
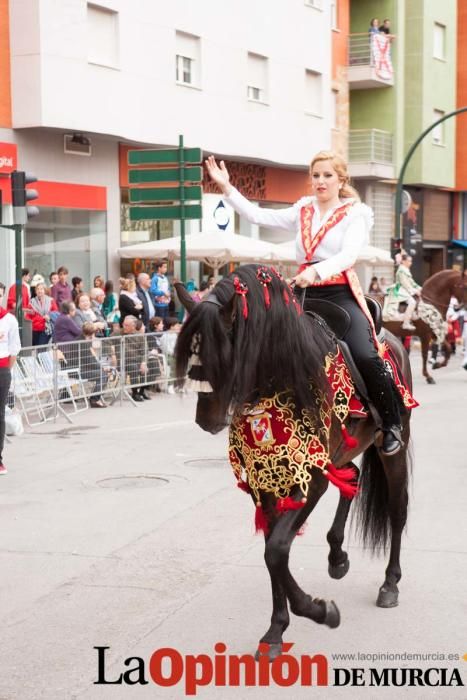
x=212 y=428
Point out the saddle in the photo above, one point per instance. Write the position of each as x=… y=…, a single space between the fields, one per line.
x=338 y=322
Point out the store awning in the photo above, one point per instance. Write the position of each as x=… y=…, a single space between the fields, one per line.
x=460 y=244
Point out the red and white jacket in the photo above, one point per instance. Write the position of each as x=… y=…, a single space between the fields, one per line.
x=10 y=343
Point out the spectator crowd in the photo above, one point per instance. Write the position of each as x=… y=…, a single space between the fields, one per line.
x=143 y=311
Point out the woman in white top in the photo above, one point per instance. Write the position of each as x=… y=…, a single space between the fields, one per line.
x=331 y=227
x=10 y=345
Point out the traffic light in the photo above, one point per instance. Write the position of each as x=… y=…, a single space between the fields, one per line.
x=396 y=245
x=21 y=195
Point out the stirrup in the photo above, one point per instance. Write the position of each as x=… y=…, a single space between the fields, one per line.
x=395 y=445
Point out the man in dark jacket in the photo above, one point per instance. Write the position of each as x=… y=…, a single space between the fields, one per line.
x=147 y=299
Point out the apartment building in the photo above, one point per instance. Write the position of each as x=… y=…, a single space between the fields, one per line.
x=82 y=82
x=397 y=89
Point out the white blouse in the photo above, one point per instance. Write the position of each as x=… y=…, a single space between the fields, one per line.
x=10 y=343
x=342 y=244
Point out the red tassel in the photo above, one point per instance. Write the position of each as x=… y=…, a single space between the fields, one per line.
x=267 y=299
x=286 y=297
x=340 y=477
x=245 y=307
x=350 y=441
x=285 y=504
x=297 y=306
x=243 y=486
x=261 y=521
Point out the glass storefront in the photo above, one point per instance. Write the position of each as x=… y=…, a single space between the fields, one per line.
x=76 y=238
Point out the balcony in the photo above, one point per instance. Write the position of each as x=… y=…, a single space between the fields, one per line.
x=370 y=62
x=371 y=154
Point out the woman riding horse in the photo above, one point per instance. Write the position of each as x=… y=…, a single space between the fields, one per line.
x=250 y=351
x=331 y=227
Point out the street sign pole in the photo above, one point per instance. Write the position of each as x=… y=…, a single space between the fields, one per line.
x=182 y=211
x=174 y=184
x=18 y=229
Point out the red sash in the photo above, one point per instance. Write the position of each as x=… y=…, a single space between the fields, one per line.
x=306 y=216
x=349 y=276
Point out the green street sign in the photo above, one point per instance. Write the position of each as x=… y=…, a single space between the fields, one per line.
x=191 y=211
x=164 y=156
x=164 y=194
x=137 y=177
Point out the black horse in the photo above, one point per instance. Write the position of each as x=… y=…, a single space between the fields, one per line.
x=248 y=340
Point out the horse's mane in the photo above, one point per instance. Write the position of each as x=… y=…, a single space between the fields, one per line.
x=257 y=350
x=441 y=277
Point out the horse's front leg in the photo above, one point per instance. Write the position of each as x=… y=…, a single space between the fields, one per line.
x=302 y=604
x=338 y=559
x=276 y=556
x=425 y=342
x=396 y=470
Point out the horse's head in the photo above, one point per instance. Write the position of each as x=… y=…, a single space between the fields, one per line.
x=249 y=338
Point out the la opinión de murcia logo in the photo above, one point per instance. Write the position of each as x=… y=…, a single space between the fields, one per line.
x=167 y=667
x=6 y=162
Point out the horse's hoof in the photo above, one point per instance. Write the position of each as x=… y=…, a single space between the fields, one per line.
x=333 y=617
x=387 y=598
x=430 y=380
x=272 y=651
x=339 y=570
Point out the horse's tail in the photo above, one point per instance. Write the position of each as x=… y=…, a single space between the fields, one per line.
x=372 y=514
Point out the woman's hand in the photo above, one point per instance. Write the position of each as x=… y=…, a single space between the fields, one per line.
x=306 y=278
x=219 y=175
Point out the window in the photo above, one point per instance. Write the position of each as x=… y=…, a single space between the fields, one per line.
x=313 y=92
x=184 y=70
x=257 y=78
x=334 y=15
x=188 y=59
x=102 y=27
x=439 y=41
x=438 y=131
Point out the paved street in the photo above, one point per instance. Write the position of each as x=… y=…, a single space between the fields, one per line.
x=126 y=530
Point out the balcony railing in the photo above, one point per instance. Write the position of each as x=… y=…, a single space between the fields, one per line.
x=370 y=61
x=371 y=153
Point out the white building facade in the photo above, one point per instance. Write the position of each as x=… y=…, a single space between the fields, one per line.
x=247 y=81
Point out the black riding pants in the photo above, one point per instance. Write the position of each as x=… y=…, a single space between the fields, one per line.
x=5 y=381
x=359 y=338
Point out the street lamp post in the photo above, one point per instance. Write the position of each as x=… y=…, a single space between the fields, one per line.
x=400 y=181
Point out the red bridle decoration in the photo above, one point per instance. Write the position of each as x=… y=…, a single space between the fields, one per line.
x=285 y=293
x=264 y=277
x=242 y=289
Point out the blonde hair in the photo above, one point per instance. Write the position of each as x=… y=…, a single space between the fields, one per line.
x=340 y=166
x=128 y=285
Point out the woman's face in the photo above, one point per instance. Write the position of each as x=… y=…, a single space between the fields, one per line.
x=40 y=290
x=84 y=303
x=325 y=182
x=375 y=23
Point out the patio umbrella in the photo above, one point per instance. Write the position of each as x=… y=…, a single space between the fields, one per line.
x=215 y=248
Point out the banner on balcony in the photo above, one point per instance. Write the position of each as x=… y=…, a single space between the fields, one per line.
x=381 y=56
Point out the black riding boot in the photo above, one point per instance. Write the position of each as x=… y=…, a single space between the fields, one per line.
x=385 y=397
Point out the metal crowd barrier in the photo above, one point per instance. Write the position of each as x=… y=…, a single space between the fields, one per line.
x=66 y=378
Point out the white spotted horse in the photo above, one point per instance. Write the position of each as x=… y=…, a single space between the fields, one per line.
x=277 y=377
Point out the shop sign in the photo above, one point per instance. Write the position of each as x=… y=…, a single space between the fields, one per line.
x=8 y=157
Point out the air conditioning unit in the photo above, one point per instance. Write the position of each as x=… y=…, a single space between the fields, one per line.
x=77 y=145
